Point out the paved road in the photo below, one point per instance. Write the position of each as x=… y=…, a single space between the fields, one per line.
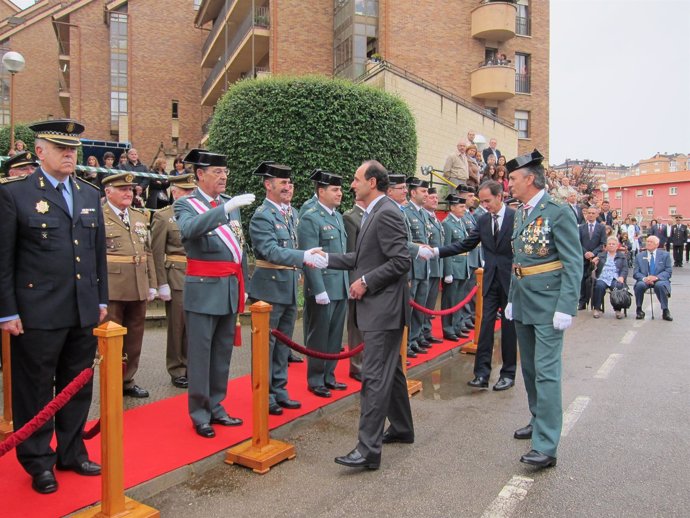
x=624 y=451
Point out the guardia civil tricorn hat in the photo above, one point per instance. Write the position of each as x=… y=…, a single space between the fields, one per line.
x=327 y=178
x=63 y=132
x=270 y=169
x=533 y=158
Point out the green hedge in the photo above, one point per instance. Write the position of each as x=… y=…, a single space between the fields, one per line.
x=309 y=122
x=21 y=132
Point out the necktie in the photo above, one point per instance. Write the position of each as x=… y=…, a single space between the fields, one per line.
x=125 y=219
x=591 y=230
x=63 y=190
x=496 y=229
x=365 y=215
x=525 y=210
x=214 y=204
x=652 y=266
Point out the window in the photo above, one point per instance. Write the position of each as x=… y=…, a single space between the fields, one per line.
x=522 y=123
x=175 y=109
x=522 y=79
x=673 y=191
x=650 y=193
x=522 y=25
x=639 y=192
x=119 y=56
x=673 y=166
x=197 y=4
x=672 y=210
x=638 y=212
x=619 y=195
x=492 y=112
x=650 y=211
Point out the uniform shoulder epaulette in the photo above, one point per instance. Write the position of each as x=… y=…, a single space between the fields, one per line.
x=315 y=208
x=226 y=196
x=260 y=209
x=557 y=202
x=82 y=181
x=137 y=209
x=10 y=179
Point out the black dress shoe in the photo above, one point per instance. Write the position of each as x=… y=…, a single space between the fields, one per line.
x=434 y=340
x=523 y=433
x=504 y=384
x=44 y=482
x=639 y=315
x=463 y=334
x=274 y=409
x=479 y=382
x=135 y=391
x=290 y=403
x=452 y=338
x=226 y=420
x=419 y=350
x=354 y=459
x=411 y=353
x=336 y=386
x=666 y=315
x=205 y=430
x=389 y=438
x=423 y=342
x=469 y=325
x=86 y=468
x=356 y=376
x=320 y=391
x=181 y=382
x=293 y=358
x=580 y=307
x=535 y=458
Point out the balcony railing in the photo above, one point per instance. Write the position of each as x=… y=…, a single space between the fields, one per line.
x=242 y=30
x=522 y=83
x=217 y=26
x=522 y=26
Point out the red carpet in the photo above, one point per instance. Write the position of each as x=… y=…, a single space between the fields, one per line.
x=159 y=437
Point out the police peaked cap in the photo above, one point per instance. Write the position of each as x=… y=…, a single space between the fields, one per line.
x=63 y=132
x=183 y=181
x=270 y=169
x=19 y=160
x=533 y=158
x=413 y=182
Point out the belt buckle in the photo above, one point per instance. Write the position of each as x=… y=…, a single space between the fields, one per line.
x=137 y=259
x=517 y=270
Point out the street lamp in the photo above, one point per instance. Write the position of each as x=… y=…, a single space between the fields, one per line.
x=14 y=63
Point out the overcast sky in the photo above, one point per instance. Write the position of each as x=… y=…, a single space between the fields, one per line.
x=620 y=79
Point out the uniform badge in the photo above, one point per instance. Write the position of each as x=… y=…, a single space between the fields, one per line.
x=129 y=178
x=70 y=127
x=529 y=249
x=42 y=207
x=543 y=251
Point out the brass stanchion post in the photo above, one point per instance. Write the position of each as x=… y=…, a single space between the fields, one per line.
x=6 y=427
x=413 y=386
x=261 y=452
x=113 y=500
x=471 y=347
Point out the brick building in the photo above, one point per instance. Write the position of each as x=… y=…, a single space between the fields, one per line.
x=654 y=195
x=453 y=45
x=123 y=68
x=662 y=163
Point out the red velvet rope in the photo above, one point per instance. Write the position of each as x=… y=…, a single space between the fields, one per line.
x=47 y=412
x=315 y=354
x=444 y=312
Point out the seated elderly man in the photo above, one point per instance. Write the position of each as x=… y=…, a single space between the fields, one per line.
x=611 y=272
x=653 y=268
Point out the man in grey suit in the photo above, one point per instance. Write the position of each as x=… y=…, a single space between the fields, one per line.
x=353 y=221
x=214 y=294
x=653 y=270
x=381 y=262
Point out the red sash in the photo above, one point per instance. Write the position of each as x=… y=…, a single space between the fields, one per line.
x=200 y=268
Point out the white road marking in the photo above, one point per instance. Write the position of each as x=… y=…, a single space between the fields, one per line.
x=628 y=337
x=508 y=499
x=607 y=366
x=573 y=413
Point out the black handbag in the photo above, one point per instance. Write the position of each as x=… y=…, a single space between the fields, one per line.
x=621 y=298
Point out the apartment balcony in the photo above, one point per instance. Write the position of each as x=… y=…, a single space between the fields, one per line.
x=493 y=82
x=239 y=56
x=494 y=21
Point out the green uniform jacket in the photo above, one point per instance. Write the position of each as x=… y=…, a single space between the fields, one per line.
x=274 y=239
x=474 y=257
x=455 y=265
x=548 y=234
x=419 y=234
x=311 y=202
x=318 y=228
x=436 y=235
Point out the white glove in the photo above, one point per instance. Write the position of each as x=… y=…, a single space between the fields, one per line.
x=315 y=260
x=425 y=253
x=561 y=321
x=448 y=279
x=322 y=298
x=246 y=296
x=508 y=311
x=164 y=292
x=239 y=201
x=152 y=294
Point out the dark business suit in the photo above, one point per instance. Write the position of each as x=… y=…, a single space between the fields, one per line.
x=488 y=151
x=382 y=256
x=679 y=235
x=577 y=210
x=594 y=243
x=660 y=231
x=353 y=221
x=498 y=260
x=53 y=274
x=663 y=270
x=606 y=218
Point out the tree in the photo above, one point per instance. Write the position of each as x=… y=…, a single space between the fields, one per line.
x=306 y=123
x=21 y=132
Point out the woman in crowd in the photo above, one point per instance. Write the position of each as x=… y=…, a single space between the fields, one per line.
x=178 y=167
x=92 y=177
x=473 y=162
x=489 y=172
x=158 y=196
x=502 y=178
x=611 y=272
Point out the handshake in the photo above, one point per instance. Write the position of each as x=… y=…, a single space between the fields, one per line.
x=426 y=252
x=316 y=258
